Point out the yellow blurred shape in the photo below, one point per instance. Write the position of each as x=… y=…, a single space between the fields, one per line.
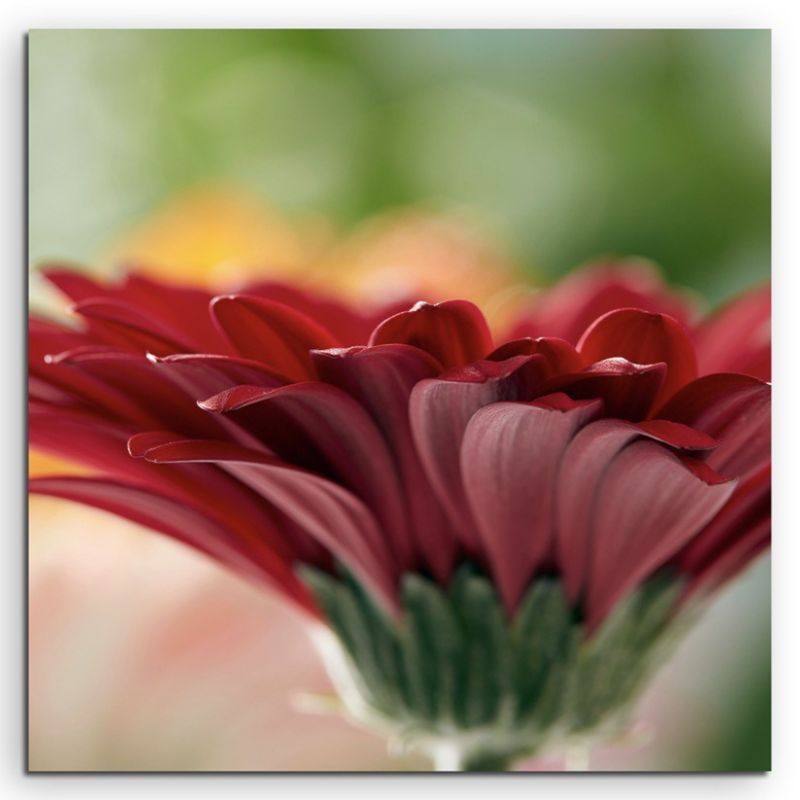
x=218 y=236
x=222 y=237
x=43 y=464
x=411 y=252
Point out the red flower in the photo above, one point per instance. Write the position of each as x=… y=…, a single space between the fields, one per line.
x=271 y=428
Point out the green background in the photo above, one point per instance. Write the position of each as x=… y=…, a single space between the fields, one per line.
x=566 y=144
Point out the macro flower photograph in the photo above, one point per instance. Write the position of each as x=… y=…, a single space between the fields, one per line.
x=399 y=400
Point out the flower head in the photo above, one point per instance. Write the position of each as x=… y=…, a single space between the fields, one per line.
x=484 y=525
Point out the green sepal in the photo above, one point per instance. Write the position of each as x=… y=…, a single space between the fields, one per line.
x=453 y=667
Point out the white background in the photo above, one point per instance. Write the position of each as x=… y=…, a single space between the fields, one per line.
x=781 y=17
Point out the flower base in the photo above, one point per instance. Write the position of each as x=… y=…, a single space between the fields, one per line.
x=455 y=677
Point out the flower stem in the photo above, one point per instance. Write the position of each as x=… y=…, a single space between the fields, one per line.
x=450 y=758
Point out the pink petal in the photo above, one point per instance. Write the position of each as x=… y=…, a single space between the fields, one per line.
x=583 y=469
x=510 y=457
x=440 y=409
x=638 y=528
x=453 y=332
x=646 y=506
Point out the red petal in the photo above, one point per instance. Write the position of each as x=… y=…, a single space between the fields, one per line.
x=176 y=308
x=321 y=428
x=746 y=516
x=153 y=401
x=583 y=470
x=561 y=356
x=106 y=446
x=735 y=410
x=454 y=332
x=627 y=390
x=648 y=506
x=120 y=324
x=736 y=338
x=681 y=437
x=350 y=326
x=271 y=333
x=440 y=409
x=326 y=511
x=509 y=461
x=179 y=520
x=74 y=285
x=202 y=375
x=381 y=379
x=643 y=338
x=571 y=305
x=183 y=307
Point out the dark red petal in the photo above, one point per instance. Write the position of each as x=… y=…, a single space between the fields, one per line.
x=74 y=285
x=323 y=429
x=453 y=332
x=643 y=338
x=130 y=327
x=681 y=437
x=735 y=410
x=350 y=326
x=627 y=390
x=86 y=439
x=440 y=409
x=154 y=401
x=509 y=461
x=176 y=308
x=202 y=375
x=180 y=520
x=743 y=522
x=703 y=394
x=271 y=333
x=224 y=497
x=381 y=379
x=583 y=469
x=561 y=356
x=183 y=307
x=326 y=511
x=648 y=506
x=140 y=443
x=567 y=308
x=107 y=446
x=57 y=380
x=736 y=338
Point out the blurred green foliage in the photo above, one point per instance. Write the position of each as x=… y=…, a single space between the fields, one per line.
x=567 y=144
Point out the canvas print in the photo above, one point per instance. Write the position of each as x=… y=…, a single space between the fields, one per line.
x=399 y=400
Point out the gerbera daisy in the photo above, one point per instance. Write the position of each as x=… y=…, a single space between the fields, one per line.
x=494 y=540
